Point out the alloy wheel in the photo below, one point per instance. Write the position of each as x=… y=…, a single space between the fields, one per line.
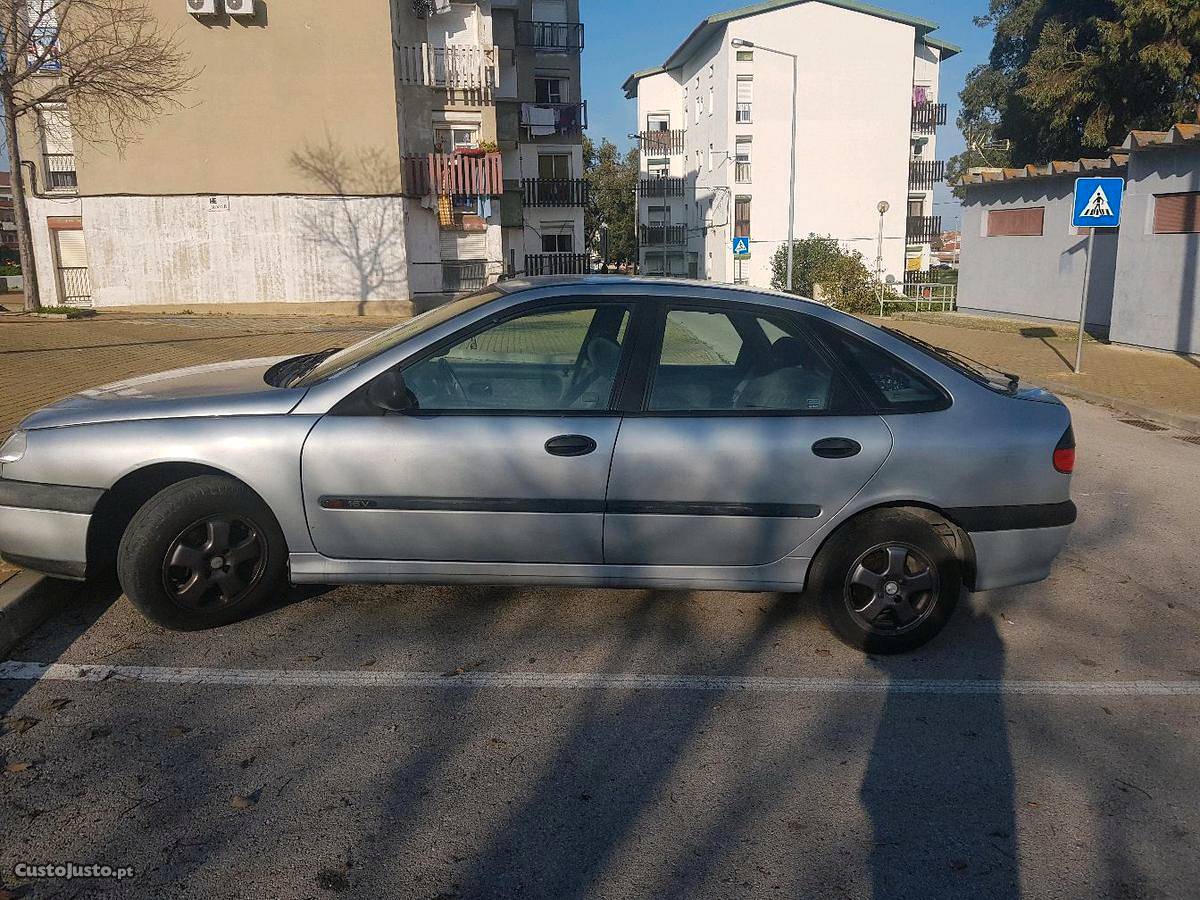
x=215 y=561
x=891 y=588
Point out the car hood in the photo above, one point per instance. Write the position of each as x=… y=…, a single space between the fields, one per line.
x=219 y=389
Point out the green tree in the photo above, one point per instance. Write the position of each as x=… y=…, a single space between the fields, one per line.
x=844 y=280
x=1069 y=78
x=612 y=182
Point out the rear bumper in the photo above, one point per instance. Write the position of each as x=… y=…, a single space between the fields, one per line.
x=1019 y=556
x=44 y=527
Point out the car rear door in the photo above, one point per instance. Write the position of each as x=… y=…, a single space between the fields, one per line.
x=505 y=458
x=748 y=439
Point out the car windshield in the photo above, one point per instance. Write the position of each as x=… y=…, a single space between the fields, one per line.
x=320 y=367
x=989 y=376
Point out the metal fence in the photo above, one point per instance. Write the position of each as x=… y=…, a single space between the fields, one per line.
x=554 y=191
x=557 y=264
x=560 y=36
x=75 y=286
x=924 y=297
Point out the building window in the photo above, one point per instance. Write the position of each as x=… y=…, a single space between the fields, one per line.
x=741 y=217
x=658 y=168
x=745 y=98
x=58 y=148
x=558 y=241
x=710 y=157
x=699 y=107
x=1177 y=213
x=658 y=215
x=916 y=207
x=549 y=89
x=448 y=138
x=1026 y=222
x=658 y=122
x=554 y=165
x=745 y=56
x=741 y=166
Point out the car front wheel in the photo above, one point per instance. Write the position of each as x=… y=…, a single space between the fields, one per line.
x=888 y=581
x=202 y=553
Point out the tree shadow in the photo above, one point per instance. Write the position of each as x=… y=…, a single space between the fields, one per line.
x=359 y=217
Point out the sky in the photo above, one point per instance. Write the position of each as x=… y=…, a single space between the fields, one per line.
x=626 y=35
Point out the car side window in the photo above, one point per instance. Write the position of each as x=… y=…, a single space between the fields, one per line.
x=893 y=386
x=548 y=361
x=713 y=361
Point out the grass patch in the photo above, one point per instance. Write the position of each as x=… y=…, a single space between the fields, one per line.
x=70 y=312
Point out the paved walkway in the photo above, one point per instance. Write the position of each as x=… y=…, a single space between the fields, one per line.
x=1147 y=380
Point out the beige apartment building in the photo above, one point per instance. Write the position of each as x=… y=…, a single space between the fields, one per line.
x=404 y=151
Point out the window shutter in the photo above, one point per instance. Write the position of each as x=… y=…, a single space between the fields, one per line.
x=1177 y=213
x=72 y=253
x=745 y=89
x=1016 y=222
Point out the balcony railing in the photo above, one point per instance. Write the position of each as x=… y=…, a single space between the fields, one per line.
x=545 y=119
x=60 y=172
x=554 y=191
x=926 y=117
x=661 y=186
x=75 y=285
x=452 y=68
x=926 y=173
x=557 y=264
x=662 y=235
x=470 y=275
x=667 y=142
x=456 y=174
x=557 y=37
x=923 y=229
x=741 y=172
x=742 y=115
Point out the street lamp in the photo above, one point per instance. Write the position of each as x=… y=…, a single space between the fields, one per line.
x=883 y=206
x=741 y=42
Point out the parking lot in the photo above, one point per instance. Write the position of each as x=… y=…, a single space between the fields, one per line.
x=468 y=742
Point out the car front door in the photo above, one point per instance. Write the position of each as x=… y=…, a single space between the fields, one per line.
x=503 y=455
x=749 y=438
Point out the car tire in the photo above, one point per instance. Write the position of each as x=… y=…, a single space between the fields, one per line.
x=202 y=553
x=888 y=581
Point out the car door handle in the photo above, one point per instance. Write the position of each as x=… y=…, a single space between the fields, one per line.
x=570 y=445
x=836 y=448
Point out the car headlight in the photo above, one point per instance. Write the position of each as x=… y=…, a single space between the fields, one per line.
x=14 y=448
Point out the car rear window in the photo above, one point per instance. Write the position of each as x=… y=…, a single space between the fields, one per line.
x=891 y=384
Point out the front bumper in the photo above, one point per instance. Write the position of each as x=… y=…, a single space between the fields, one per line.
x=44 y=527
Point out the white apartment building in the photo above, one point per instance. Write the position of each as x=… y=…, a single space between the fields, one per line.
x=715 y=124
x=449 y=137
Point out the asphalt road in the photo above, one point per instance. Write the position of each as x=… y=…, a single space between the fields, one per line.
x=1046 y=745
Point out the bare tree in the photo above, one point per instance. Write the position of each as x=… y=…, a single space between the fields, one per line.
x=109 y=62
x=360 y=214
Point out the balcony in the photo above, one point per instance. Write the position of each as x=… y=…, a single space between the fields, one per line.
x=554 y=191
x=926 y=117
x=449 y=68
x=667 y=142
x=549 y=119
x=923 y=229
x=557 y=264
x=454 y=174
x=552 y=37
x=661 y=186
x=662 y=235
x=60 y=172
x=924 y=174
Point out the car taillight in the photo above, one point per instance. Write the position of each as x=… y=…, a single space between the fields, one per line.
x=1064 y=453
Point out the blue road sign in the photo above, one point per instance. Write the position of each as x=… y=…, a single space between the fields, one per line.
x=741 y=246
x=1098 y=202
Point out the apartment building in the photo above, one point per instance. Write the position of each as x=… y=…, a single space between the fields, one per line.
x=391 y=155
x=715 y=133
x=8 y=226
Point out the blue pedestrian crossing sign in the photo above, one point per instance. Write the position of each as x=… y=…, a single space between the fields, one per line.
x=1098 y=202
x=741 y=246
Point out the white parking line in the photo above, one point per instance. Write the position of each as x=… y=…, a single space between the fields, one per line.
x=34 y=671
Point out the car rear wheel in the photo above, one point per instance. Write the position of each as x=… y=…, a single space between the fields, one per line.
x=202 y=553
x=887 y=582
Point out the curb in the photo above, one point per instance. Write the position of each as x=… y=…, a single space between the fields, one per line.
x=26 y=601
x=1120 y=404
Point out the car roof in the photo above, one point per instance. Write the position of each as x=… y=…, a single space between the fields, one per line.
x=516 y=285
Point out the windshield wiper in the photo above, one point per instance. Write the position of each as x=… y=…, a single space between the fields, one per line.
x=963 y=361
x=288 y=372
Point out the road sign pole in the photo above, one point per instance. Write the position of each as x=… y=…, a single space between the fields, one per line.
x=1087 y=277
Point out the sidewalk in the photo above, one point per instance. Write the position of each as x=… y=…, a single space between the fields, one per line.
x=1142 y=382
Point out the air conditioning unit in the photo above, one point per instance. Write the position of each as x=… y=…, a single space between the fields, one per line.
x=202 y=7
x=239 y=7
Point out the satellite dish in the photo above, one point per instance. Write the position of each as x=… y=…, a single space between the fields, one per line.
x=891 y=279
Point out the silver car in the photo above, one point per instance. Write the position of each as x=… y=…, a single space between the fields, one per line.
x=588 y=431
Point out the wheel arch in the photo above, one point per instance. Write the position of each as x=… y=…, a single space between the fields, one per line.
x=957 y=537
x=120 y=503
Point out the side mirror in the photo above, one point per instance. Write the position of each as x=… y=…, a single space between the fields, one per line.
x=389 y=393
